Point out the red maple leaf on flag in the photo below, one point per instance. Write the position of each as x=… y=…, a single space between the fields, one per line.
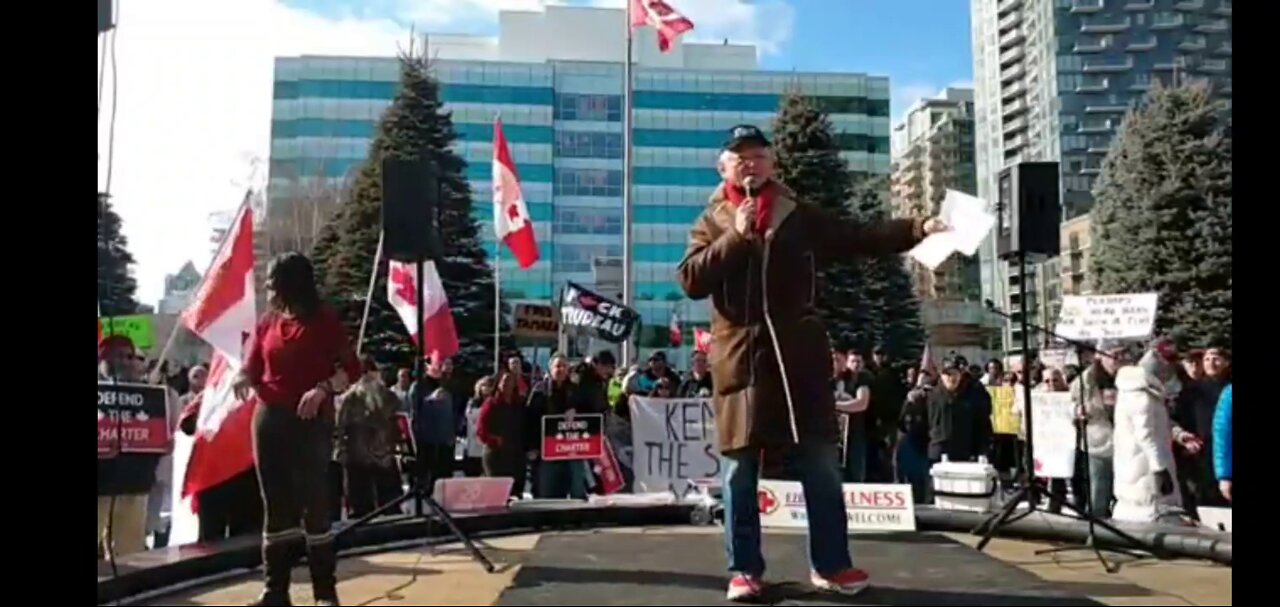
x=588 y=301
x=402 y=278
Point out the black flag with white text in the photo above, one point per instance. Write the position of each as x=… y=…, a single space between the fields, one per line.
x=585 y=312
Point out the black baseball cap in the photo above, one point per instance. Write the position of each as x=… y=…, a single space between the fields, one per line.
x=604 y=357
x=744 y=134
x=957 y=364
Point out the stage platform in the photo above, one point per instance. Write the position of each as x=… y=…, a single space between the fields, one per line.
x=668 y=565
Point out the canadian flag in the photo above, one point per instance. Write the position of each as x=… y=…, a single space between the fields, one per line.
x=702 y=340
x=224 y=440
x=222 y=311
x=223 y=314
x=669 y=23
x=677 y=334
x=510 y=214
x=402 y=292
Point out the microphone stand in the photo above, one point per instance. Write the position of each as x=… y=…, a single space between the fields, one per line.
x=1087 y=513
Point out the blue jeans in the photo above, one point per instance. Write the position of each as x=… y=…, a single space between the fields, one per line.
x=913 y=468
x=559 y=480
x=1101 y=485
x=824 y=501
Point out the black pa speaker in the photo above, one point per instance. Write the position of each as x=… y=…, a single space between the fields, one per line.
x=410 y=192
x=1030 y=210
x=106 y=18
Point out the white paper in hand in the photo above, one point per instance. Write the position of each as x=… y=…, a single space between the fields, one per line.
x=967 y=215
x=969 y=222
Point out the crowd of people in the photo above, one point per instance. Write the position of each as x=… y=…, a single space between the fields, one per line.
x=1173 y=456
x=900 y=421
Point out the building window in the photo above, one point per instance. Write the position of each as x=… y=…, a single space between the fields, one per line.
x=574 y=106
x=574 y=144
x=578 y=257
x=1075 y=183
x=588 y=182
x=588 y=220
x=1070 y=63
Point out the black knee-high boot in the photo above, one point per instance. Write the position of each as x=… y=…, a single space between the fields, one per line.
x=323 y=560
x=279 y=555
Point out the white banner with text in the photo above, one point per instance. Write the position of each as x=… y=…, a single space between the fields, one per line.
x=674 y=442
x=869 y=507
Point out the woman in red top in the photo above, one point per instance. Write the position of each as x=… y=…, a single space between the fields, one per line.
x=299 y=359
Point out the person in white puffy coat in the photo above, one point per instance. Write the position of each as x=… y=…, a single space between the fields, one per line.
x=1145 y=488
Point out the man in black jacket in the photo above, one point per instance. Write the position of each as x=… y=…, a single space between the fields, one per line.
x=959 y=416
x=698 y=384
x=592 y=378
x=556 y=480
x=887 y=395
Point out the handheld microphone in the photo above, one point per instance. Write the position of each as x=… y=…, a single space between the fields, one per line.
x=751 y=185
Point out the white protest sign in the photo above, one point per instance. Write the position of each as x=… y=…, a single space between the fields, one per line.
x=1053 y=438
x=1093 y=317
x=1058 y=358
x=674 y=442
x=869 y=507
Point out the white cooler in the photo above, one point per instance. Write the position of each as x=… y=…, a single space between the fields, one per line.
x=965 y=486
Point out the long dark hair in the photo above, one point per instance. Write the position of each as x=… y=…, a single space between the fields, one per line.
x=293 y=280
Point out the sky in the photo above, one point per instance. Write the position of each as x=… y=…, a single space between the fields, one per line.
x=190 y=88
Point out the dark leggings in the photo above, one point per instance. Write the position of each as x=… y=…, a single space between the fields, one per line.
x=501 y=463
x=292 y=456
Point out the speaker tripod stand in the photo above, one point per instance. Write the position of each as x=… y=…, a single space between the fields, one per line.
x=422 y=188
x=1031 y=489
x=421 y=495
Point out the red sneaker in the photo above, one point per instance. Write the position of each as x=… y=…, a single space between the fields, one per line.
x=849 y=581
x=745 y=587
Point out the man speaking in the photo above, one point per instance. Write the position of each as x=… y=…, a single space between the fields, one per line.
x=755 y=251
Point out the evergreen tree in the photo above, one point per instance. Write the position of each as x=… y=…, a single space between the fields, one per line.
x=1162 y=216
x=415 y=124
x=864 y=302
x=809 y=163
x=890 y=291
x=116 y=285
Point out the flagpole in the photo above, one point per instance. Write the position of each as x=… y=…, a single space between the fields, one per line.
x=368 y=297
x=497 y=307
x=627 y=158
x=226 y=240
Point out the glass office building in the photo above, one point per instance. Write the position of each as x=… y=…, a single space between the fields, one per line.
x=1053 y=81
x=561 y=105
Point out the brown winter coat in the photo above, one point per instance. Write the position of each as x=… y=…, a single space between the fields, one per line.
x=762 y=289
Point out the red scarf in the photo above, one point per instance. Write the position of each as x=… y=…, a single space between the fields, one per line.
x=764 y=202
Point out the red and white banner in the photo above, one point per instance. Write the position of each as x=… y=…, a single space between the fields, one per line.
x=608 y=472
x=132 y=418
x=868 y=507
x=222 y=311
x=664 y=18
x=511 y=220
x=577 y=438
x=402 y=293
x=677 y=334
